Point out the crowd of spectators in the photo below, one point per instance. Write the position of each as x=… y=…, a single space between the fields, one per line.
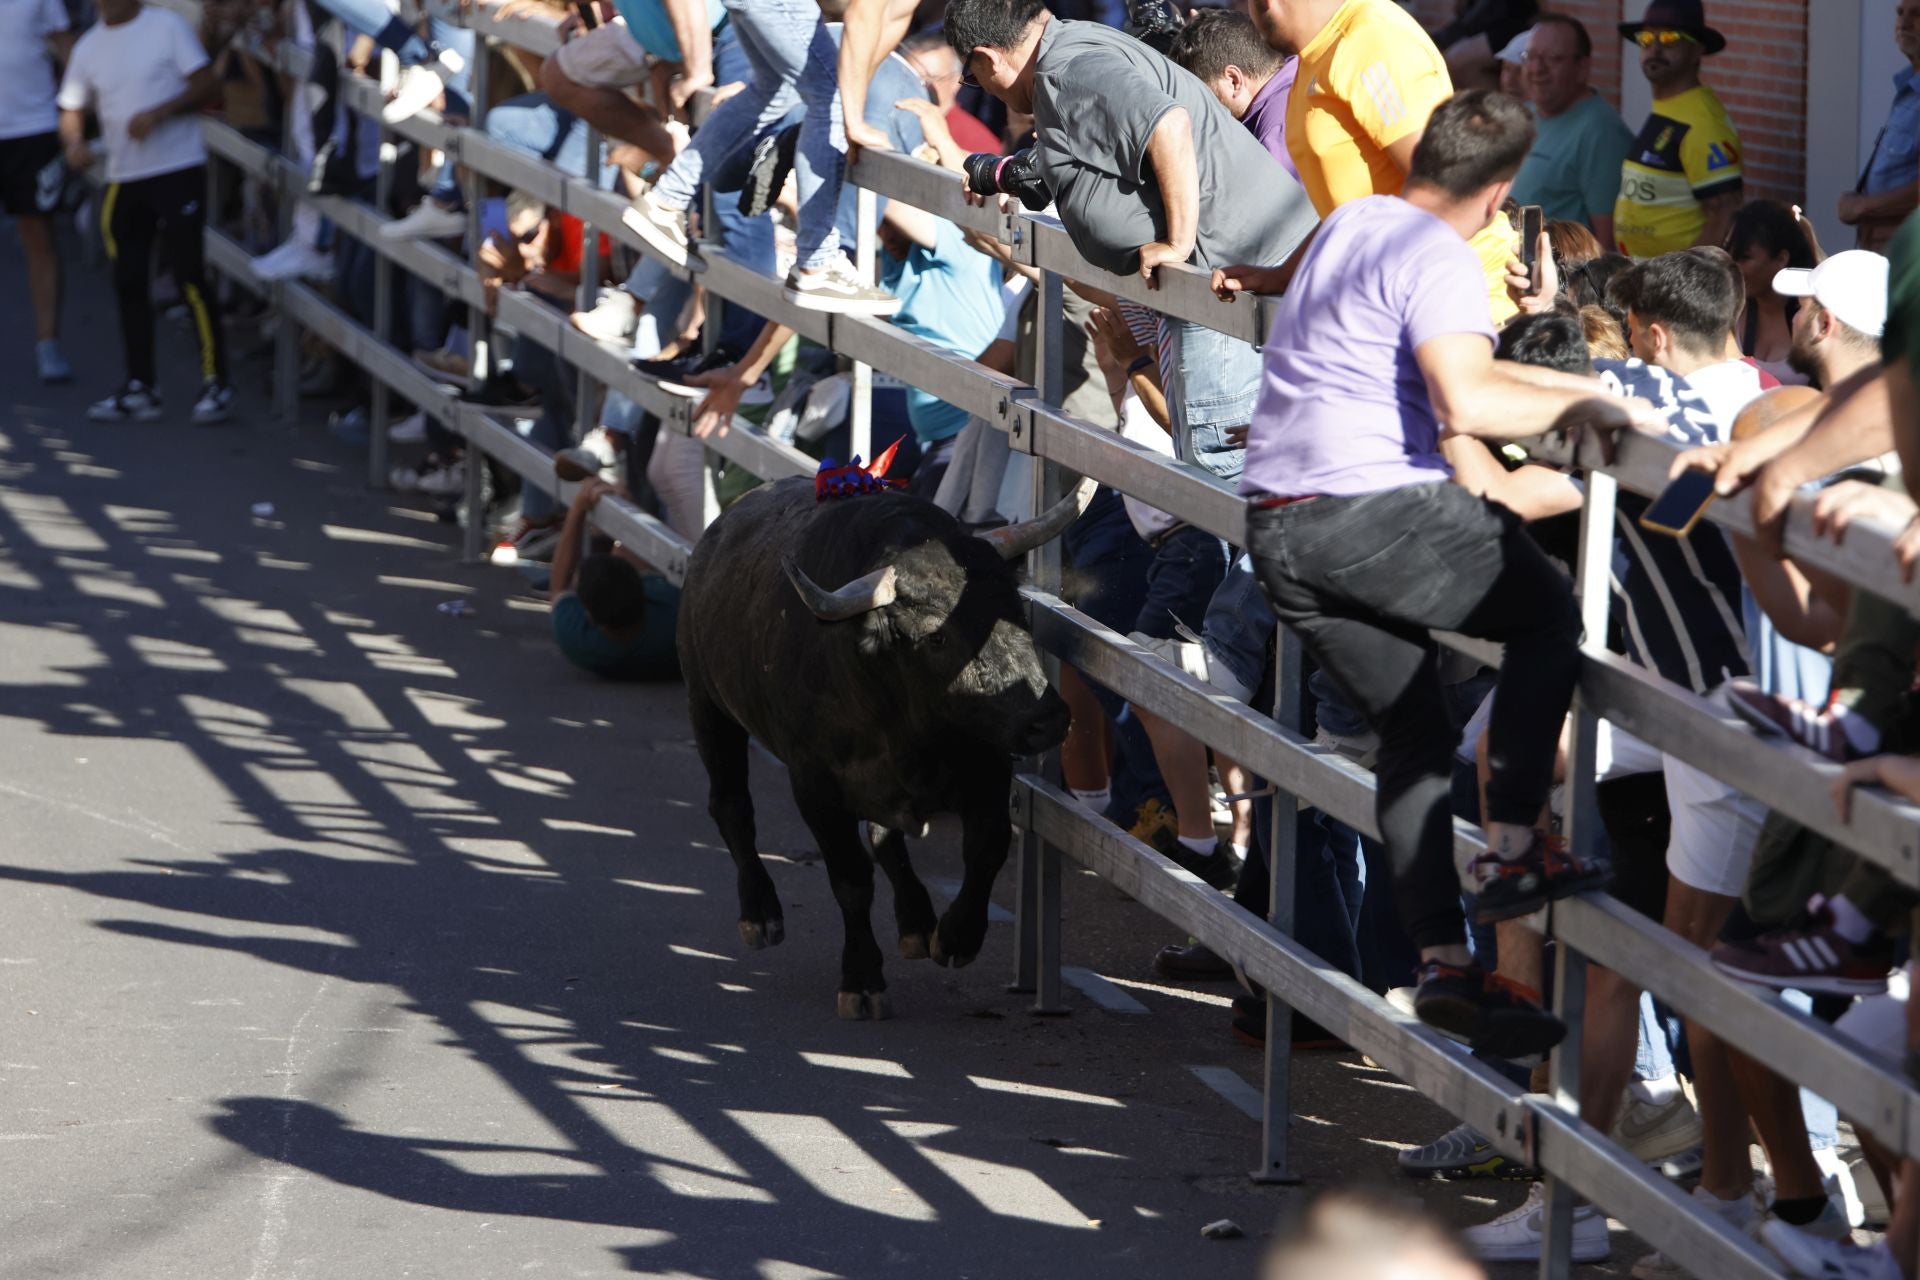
x=1374 y=176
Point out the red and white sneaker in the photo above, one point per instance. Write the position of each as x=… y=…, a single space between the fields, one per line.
x=1508 y=888
x=1815 y=728
x=1814 y=958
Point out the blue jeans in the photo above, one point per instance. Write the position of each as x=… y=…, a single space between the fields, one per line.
x=377 y=21
x=1214 y=384
x=541 y=370
x=792 y=56
x=1239 y=626
x=532 y=123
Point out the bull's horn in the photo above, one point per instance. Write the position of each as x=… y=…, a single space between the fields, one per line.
x=1015 y=540
x=871 y=591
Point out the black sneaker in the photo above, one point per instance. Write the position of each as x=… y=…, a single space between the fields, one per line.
x=670 y=374
x=134 y=402
x=1484 y=1011
x=772 y=162
x=1218 y=868
x=1508 y=888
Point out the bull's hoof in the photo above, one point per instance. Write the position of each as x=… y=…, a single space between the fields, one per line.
x=915 y=946
x=858 y=1006
x=759 y=936
x=936 y=952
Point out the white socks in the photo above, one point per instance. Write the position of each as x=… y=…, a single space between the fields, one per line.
x=1199 y=844
x=1094 y=800
x=1847 y=920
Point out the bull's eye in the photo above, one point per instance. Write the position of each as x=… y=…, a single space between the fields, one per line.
x=936 y=638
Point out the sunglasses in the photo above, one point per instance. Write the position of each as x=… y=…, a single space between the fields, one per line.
x=1648 y=39
x=966 y=70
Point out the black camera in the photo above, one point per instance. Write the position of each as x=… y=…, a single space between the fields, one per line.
x=1015 y=175
x=1155 y=23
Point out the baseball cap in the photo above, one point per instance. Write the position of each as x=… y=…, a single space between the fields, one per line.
x=1515 y=50
x=1852 y=285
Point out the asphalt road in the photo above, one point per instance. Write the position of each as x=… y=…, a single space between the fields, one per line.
x=340 y=937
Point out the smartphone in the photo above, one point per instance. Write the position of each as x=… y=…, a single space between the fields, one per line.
x=589 y=14
x=1532 y=222
x=1680 y=505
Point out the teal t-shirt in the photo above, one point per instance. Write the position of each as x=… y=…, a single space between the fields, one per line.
x=648 y=656
x=1573 y=171
x=949 y=295
x=648 y=24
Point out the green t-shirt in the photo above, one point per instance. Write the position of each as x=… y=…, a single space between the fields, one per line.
x=1573 y=170
x=1901 y=341
x=649 y=655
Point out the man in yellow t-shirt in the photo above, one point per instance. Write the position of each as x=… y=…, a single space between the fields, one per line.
x=1369 y=77
x=1681 y=182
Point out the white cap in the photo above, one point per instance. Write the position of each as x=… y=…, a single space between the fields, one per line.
x=1852 y=285
x=1516 y=48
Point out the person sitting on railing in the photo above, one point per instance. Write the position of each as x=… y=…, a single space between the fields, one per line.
x=1126 y=143
x=429 y=68
x=1364 y=549
x=791 y=53
x=612 y=615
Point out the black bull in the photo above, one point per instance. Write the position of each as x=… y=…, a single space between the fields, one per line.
x=901 y=691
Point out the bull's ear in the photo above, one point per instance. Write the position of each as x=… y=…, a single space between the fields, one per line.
x=863 y=595
x=1015 y=540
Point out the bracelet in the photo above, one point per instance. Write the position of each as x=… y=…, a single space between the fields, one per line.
x=1139 y=364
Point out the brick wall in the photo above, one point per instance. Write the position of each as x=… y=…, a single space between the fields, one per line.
x=1761 y=76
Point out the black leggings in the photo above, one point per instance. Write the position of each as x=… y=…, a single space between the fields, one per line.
x=132 y=216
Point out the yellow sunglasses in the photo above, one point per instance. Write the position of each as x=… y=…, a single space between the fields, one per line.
x=1648 y=39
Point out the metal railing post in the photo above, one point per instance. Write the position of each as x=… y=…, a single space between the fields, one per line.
x=1283 y=838
x=286 y=335
x=1041 y=885
x=1594 y=589
x=860 y=411
x=586 y=414
x=479 y=324
x=380 y=412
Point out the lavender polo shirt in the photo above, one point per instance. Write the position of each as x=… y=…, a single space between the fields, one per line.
x=1267 y=115
x=1343 y=407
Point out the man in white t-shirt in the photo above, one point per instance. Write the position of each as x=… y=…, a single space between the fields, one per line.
x=31 y=180
x=143 y=73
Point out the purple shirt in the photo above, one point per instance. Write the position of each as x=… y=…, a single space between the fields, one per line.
x=1343 y=407
x=1267 y=115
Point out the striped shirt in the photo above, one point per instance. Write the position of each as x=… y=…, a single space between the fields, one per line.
x=1677 y=599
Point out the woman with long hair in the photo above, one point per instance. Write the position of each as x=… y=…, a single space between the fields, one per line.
x=1764 y=239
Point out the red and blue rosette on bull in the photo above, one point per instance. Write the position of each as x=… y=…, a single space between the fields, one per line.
x=835 y=481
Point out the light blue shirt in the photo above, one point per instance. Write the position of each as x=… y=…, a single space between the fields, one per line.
x=648 y=23
x=949 y=295
x=1896 y=153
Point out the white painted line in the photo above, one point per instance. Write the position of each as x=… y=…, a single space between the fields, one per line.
x=950 y=889
x=1229 y=1084
x=1101 y=992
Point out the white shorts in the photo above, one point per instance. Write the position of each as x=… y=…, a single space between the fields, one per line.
x=1715 y=826
x=607 y=57
x=1879 y=1023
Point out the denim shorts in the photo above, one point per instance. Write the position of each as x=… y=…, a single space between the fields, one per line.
x=1239 y=631
x=1186 y=570
x=1215 y=382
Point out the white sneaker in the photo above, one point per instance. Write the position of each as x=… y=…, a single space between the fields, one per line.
x=1838 y=1179
x=214 y=405
x=1655 y=1132
x=1742 y=1214
x=664 y=230
x=420 y=85
x=409 y=430
x=838 y=288
x=1874 y=1210
x=595 y=455
x=135 y=402
x=294 y=260
x=443 y=482
x=614 y=317
x=426 y=221
x=51 y=363
x=1818 y=1258
x=1517 y=1236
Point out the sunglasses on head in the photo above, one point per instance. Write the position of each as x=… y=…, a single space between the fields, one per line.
x=1648 y=39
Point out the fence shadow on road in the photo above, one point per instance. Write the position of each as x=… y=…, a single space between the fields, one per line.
x=428 y=829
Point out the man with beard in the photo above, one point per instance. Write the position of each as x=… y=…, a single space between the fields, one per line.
x=1681 y=182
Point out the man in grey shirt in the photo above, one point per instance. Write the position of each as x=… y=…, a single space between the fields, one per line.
x=1146 y=168
x=1128 y=142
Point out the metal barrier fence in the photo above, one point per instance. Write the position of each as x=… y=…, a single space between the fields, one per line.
x=1542 y=1130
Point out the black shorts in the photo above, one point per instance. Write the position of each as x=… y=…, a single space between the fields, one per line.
x=33 y=173
x=1634 y=811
